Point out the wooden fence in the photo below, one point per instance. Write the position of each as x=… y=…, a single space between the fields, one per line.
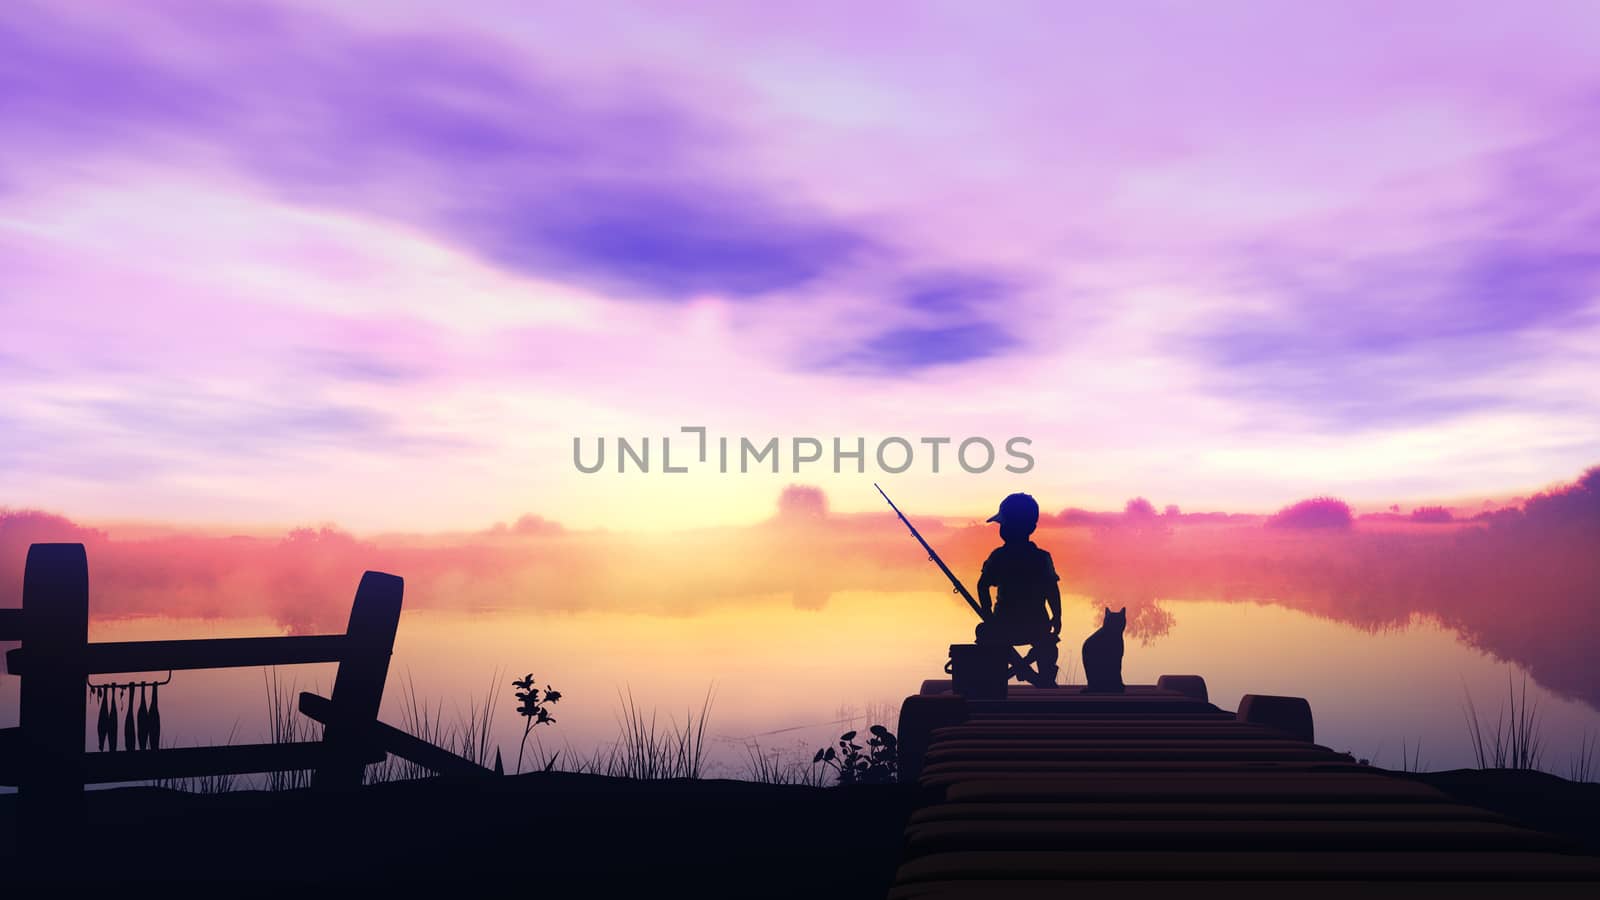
x=44 y=756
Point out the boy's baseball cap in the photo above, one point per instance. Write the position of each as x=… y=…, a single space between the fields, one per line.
x=1017 y=508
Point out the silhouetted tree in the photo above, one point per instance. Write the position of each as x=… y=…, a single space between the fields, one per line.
x=1317 y=512
x=1139 y=508
x=801 y=502
x=1432 y=514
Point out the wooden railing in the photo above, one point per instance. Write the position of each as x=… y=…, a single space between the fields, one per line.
x=44 y=756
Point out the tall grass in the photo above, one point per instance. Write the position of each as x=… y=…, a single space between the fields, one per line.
x=468 y=735
x=1411 y=757
x=419 y=720
x=1516 y=741
x=474 y=731
x=1069 y=672
x=285 y=725
x=1582 y=768
x=645 y=749
x=203 y=784
x=774 y=766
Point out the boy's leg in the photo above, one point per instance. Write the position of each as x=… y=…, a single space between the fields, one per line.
x=1001 y=633
x=1046 y=653
x=1023 y=669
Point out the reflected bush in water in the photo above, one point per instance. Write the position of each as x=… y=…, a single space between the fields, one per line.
x=1517 y=583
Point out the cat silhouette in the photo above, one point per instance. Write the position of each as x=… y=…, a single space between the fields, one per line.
x=1102 y=654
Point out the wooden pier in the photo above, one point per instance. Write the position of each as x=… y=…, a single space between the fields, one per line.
x=1158 y=792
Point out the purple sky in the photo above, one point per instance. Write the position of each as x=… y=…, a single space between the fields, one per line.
x=379 y=264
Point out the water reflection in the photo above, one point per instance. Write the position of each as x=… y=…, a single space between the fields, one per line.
x=784 y=678
x=1380 y=624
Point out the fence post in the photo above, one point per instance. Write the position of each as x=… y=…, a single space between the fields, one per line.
x=55 y=631
x=358 y=687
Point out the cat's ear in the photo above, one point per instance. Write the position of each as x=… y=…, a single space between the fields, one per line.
x=1123 y=611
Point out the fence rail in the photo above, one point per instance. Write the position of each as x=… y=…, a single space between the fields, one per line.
x=234 y=759
x=45 y=758
x=218 y=653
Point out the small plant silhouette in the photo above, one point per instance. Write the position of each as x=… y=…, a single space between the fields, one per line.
x=879 y=764
x=534 y=709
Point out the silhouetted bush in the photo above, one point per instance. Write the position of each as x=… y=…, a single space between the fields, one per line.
x=527 y=525
x=1432 y=514
x=1139 y=508
x=880 y=764
x=535 y=710
x=1073 y=516
x=1574 y=504
x=802 y=502
x=1317 y=512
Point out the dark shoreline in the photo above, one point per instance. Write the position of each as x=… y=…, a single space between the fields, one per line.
x=1537 y=800
x=555 y=834
x=562 y=834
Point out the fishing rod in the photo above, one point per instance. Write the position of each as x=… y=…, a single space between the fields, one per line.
x=1019 y=665
x=959 y=587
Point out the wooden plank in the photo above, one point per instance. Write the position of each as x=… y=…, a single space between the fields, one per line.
x=1088 y=735
x=1220 y=787
x=1099 y=706
x=1229 y=835
x=235 y=759
x=1068 y=691
x=1048 y=745
x=358 y=687
x=55 y=600
x=1323 y=810
x=11 y=752
x=1043 y=761
x=1334 y=866
x=994 y=731
x=216 y=653
x=950 y=774
x=401 y=744
x=1111 y=765
x=10 y=625
x=1106 y=716
x=1105 y=719
x=1235 y=889
x=1051 y=790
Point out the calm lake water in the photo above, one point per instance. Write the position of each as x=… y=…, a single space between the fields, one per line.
x=788 y=679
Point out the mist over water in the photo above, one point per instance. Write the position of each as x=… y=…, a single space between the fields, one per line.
x=788 y=680
x=811 y=623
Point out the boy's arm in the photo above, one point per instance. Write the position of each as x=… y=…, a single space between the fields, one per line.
x=1052 y=595
x=984 y=586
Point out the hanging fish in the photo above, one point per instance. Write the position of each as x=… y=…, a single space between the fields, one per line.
x=144 y=720
x=155 y=716
x=103 y=724
x=129 y=736
x=111 y=719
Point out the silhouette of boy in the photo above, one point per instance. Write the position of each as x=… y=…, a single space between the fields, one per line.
x=1027 y=582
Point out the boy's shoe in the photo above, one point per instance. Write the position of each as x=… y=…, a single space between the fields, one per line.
x=1045 y=678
